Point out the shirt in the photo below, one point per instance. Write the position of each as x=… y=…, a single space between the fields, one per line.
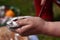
x=47 y=12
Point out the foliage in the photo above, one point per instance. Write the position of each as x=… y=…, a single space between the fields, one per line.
x=26 y=6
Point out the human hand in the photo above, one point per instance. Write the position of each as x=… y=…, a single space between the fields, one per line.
x=30 y=26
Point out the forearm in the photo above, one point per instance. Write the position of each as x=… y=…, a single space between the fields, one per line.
x=52 y=28
x=43 y=2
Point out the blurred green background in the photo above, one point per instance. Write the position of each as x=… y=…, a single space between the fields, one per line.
x=27 y=8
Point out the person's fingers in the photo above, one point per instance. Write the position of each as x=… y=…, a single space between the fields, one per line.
x=23 y=29
x=23 y=22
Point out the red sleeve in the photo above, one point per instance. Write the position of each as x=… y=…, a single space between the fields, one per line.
x=47 y=13
x=57 y=2
x=37 y=6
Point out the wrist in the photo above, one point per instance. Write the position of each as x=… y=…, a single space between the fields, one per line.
x=44 y=28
